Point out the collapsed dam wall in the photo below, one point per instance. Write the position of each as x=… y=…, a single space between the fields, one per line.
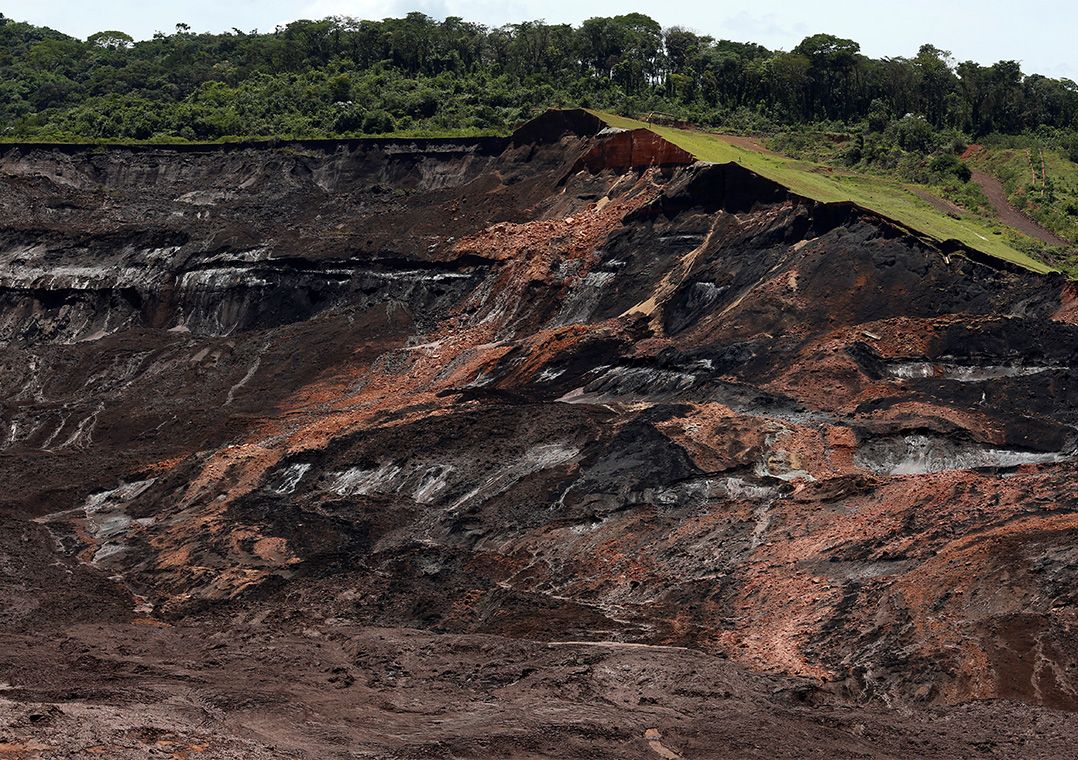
x=568 y=385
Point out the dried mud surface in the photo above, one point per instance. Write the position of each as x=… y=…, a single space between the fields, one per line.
x=561 y=445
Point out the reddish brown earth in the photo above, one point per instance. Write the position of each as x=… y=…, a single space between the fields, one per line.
x=561 y=445
x=1011 y=216
x=746 y=142
x=940 y=204
x=1008 y=214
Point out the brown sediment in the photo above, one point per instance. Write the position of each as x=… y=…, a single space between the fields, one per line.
x=550 y=426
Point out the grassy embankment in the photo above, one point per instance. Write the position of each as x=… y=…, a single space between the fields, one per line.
x=881 y=194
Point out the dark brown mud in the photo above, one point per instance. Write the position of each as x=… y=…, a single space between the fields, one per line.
x=561 y=445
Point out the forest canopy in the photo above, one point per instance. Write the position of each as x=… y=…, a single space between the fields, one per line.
x=342 y=76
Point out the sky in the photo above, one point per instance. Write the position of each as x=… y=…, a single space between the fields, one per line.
x=1039 y=33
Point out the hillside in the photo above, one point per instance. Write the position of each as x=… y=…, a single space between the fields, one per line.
x=556 y=444
x=907 y=118
x=343 y=76
x=885 y=195
x=1039 y=181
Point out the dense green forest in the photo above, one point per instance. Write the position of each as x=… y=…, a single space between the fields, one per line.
x=341 y=76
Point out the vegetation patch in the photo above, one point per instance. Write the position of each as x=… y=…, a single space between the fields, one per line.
x=884 y=195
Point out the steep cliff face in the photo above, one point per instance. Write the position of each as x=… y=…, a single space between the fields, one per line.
x=565 y=386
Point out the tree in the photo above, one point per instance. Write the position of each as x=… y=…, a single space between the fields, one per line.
x=1072 y=148
x=914 y=133
x=935 y=81
x=327 y=76
x=833 y=60
x=111 y=40
x=682 y=46
x=788 y=75
x=879 y=116
x=61 y=56
x=1004 y=98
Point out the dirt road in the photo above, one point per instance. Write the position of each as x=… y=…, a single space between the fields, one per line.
x=1011 y=216
x=747 y=143
x=992 y=187
x=940 y=204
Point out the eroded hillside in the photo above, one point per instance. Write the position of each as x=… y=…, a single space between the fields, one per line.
x=554 y=445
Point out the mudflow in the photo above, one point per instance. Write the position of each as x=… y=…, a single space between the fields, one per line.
x=557 y=445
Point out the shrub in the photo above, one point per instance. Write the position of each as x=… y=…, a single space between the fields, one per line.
x=915 y=134
x=348 y=117
x=378 y=122
x=879 y=116
x=947 y=165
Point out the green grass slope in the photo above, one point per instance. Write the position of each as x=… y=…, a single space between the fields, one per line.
x=880 y=194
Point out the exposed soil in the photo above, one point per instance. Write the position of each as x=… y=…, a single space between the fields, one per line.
x=940 y=204
x=253 y=691
x=745 y=142
x=1011 y=216
x=558 y=445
